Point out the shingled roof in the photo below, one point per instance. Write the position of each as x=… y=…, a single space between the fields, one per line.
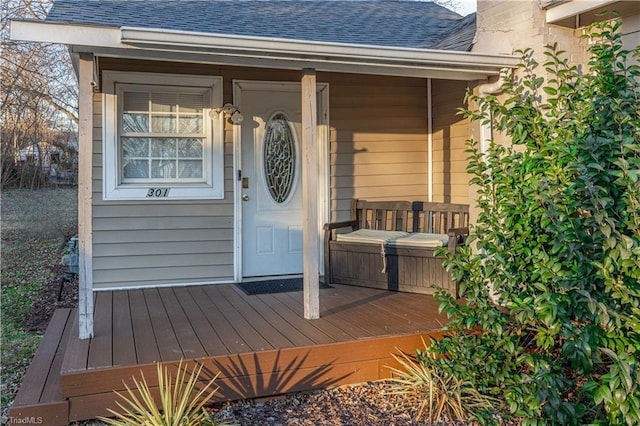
x=405 y=24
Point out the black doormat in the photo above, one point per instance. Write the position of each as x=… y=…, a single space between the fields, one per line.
x=274 y=286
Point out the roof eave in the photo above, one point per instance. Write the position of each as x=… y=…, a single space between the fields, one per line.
x=578 y=13
x=265 y=52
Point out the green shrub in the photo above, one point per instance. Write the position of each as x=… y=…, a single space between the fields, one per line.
x=554 y=280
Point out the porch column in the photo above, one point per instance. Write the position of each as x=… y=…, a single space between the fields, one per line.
x=311 y=285
x=85 y=229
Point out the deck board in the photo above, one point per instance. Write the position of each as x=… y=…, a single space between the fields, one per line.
x=271 y=315
x=265 y=328
x=188 y=340
x=124 y=352
x=35 y=380
x=101 y=348
x=330 y=323
x=261 y=345
x=51 y=392
x=211 y=342
x=39 y=395
x=77 y=353
x=146 y=347
x=254 y=339
x=309 y=328
x=166 y=338
x=232 y=340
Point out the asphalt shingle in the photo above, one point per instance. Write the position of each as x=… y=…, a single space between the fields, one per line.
x=394 y=23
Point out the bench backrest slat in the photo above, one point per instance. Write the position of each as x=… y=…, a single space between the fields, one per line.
x=416 y=216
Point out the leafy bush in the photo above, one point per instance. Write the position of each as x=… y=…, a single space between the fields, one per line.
x=551 y=322
x=181 y=402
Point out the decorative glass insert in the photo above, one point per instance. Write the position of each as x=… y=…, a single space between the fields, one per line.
x=279 y=157
x=162 y=135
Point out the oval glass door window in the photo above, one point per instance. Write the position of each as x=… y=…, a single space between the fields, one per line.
x=279 y=157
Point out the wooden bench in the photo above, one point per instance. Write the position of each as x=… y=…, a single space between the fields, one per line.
x=398 y=263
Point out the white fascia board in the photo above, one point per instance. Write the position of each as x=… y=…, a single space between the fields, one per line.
x=264 y=52
x=311 y=48
x=252 y=61
x=573 y=8
x=49 y=32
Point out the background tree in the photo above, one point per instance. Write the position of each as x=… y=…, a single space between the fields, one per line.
x=38 y=100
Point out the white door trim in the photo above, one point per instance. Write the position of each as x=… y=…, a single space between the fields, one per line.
x=323 y=159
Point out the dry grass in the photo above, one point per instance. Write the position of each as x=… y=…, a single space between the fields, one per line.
x=35 y=225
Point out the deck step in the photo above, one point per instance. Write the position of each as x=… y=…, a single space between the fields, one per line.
x=39 y=399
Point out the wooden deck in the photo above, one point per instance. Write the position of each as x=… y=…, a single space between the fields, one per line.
x=260 y=345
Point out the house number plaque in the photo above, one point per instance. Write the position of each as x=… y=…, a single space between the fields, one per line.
x=158 y=192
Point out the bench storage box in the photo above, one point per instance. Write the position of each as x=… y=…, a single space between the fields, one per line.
x=391 y=245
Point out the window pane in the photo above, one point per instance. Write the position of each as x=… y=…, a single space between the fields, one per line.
x=165 y=169
x=135 y=123
x=164 y=102
x=190 y=148
x=164 y=148
x=163 y=124
x=159 y=119
x=190 y=168
x=135 y=101
x=135 y=147
x=191 y=124
x=136 y=168
x=191 y=102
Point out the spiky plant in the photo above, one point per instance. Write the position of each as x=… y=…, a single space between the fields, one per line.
x=436 y=395
x=181 y=400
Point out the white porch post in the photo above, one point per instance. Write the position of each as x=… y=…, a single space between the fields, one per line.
x=85 y=159
x=311 y=286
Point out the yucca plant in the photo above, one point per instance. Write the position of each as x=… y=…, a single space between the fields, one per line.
x=181 y=400
x=436 y=395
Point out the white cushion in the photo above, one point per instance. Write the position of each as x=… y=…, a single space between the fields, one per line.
x=421 y=239
x=370 y=236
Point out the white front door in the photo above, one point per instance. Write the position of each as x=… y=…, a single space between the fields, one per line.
x=270 y=186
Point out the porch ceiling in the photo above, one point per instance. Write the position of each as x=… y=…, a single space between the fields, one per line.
x=263 y=52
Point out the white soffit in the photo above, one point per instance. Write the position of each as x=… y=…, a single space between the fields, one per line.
x=182 y=46
x=575 y=8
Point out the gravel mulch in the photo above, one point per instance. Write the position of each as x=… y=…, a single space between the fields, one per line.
x=366 y=404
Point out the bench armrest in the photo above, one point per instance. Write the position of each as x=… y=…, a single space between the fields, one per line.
x=328 y=235
x=457 y=237
x=338 y=225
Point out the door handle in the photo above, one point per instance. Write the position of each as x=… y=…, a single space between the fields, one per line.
x=245 y=197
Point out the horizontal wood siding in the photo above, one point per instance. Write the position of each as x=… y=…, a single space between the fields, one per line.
x=141 y=243
x=450 y=133
x=378 y=151
x=378 y=139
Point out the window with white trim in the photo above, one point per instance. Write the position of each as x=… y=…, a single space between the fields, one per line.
x=160 y=140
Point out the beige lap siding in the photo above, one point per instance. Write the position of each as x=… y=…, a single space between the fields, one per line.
x=450 y=134
x=378 y=139
x=150 y=243
x=378 y=151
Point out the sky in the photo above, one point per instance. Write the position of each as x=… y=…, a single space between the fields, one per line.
x=464 y=7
